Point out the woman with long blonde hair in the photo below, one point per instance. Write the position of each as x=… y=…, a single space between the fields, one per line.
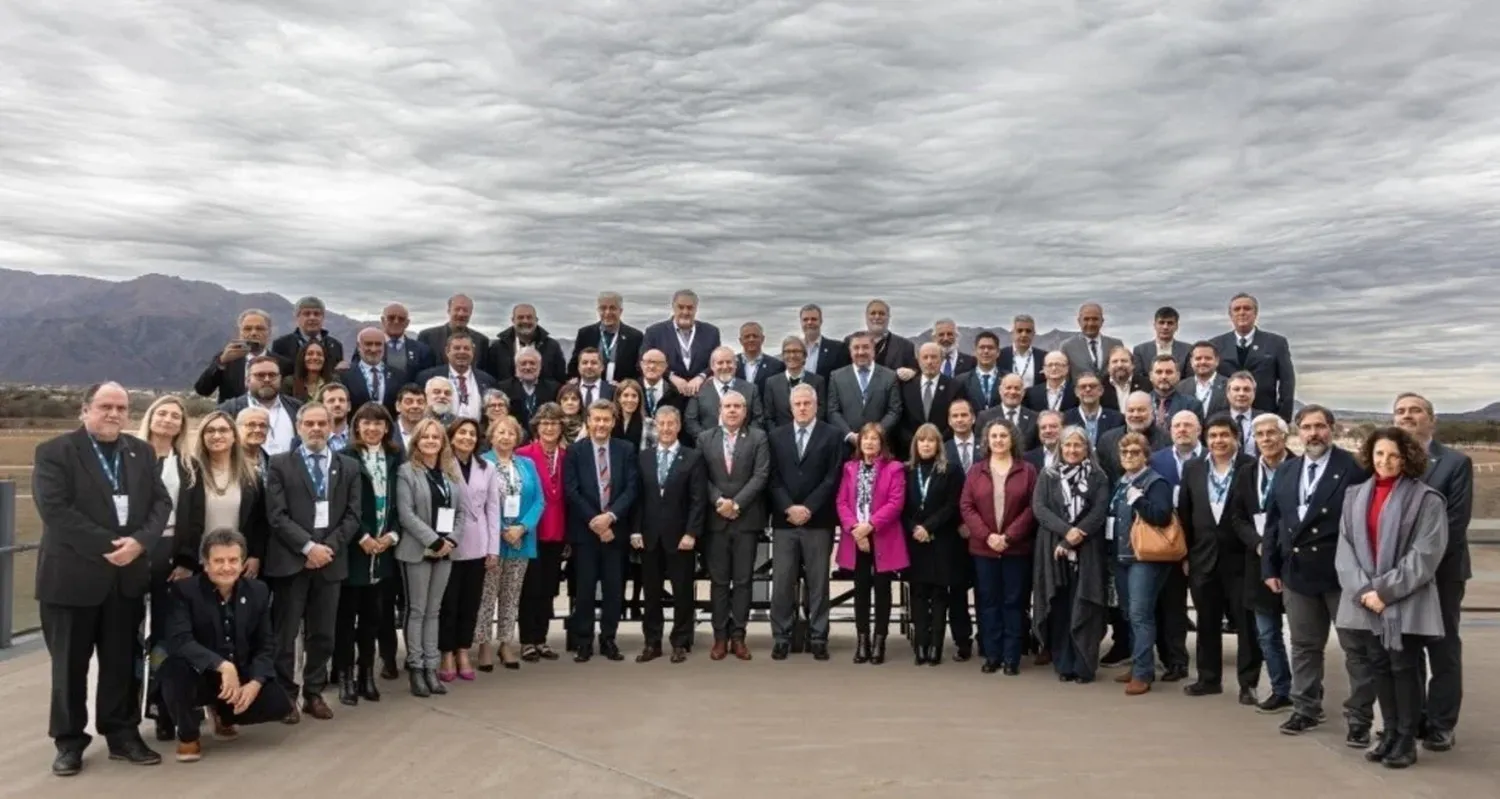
x=165 y=427
x=429 y=503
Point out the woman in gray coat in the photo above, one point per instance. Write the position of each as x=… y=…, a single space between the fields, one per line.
x=1391 y=539
x=1068 y=605
x=428 y=503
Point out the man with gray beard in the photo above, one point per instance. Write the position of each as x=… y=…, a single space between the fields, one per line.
x=440 y=399
x=265 y=393
x=1302 y=530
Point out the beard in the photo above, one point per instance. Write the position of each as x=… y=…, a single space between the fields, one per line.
x=1314 y=450
x=266 y=393
x=439 y=408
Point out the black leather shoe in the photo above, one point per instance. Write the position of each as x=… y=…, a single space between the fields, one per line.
x=67 y=763
x=819 y=651
x=389 y=671
x=1439 y=740
x=134 y=751
x=989 y=667
x=348 y=691
x=368 y=689
x=962 y=651
x=418 y=683
x=583 y=654
x=1358 y=737
x=1202 y=689
x=611 y=652
x=1382 y=748
x=1298 y=724
x=862 y=648
x=1175 y=674
x=920 y=655
x=934 y=655
x=1403 y=753
x=1274 y=704
x=877 y=655
x=164 y=731
x=780 y=650
x=1248 y=697
x=1010 y=670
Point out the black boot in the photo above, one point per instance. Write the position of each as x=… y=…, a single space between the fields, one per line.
x=418 y=683
x=1382 y=748
x=367 y=687
x=920 y=651
x=935 y=654
x=348 y=690
x=862 y=649
x=878 y=656
x=1403 y=752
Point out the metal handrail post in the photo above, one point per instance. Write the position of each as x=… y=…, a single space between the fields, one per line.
x=7 y=559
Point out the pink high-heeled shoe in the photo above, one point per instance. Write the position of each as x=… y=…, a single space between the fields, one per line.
x=446 y=676
x=466 y=675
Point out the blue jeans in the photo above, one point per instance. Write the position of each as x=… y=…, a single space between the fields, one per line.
x=1144 y=581
x=1000 y=592
x=1273 y=647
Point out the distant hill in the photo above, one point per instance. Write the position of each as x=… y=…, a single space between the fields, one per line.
x=1489 y=413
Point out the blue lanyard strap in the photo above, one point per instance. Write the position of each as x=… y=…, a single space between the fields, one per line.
x=111 y=466
x=315 y=474
x=1220 y=487
x=607 y=344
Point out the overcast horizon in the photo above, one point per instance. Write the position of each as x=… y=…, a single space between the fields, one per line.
x=1341 y=162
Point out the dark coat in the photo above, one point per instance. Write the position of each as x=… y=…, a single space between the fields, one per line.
x=933 y=562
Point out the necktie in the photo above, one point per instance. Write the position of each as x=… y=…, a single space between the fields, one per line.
x=1162 y=419
x=588 y=395
x=965 y=455
x=801 y=442
x=317 y=474
x=376 y=393
x=729 y=451
x=651 y=400
x=602 y=456
x=463 y=389
x=1011 y=414
x=793 y=382
x=1094 y=352
x=1312 y=474
x=1247 y=434
x=864 y=381
x=984 y=386
x=663 y=465
x=927 y=399
x=1243 y=351
x=948 y=366
x=724 y=390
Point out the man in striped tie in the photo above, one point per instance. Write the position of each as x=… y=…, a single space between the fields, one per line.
x=599 y=481
x=739 y=467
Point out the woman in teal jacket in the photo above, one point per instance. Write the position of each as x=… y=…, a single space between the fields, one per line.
x=521 y=505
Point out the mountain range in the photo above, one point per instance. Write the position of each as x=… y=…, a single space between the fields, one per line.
x=158 y=332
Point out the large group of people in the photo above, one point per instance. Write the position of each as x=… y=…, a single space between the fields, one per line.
x=448 y=486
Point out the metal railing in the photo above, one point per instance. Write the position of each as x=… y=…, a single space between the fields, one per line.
x=1482 y=533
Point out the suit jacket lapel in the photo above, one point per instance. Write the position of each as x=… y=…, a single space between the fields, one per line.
x=84 y=450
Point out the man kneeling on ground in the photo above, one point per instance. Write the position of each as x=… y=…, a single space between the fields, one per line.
x=220 y=649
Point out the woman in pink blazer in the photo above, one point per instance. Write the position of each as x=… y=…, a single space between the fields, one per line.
x=873 y=544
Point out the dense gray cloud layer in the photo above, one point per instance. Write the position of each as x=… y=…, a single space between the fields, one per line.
x=972 y=159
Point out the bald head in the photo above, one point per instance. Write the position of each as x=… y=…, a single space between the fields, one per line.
x=1186 y=430
x=722 y=364
x=105 y=410
x=371 y=342
x=930 y=358
x=1138 y=411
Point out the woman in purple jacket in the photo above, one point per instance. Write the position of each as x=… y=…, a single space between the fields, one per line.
x=873 y=544
x=478 y=551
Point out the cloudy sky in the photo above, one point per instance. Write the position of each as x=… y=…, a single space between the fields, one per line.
x=1339 y=158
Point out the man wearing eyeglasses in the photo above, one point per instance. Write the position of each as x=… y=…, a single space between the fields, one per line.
x=403 y=353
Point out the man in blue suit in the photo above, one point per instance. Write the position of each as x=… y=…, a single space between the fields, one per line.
x=688 y=343
x=599 y=481
x=403 y=353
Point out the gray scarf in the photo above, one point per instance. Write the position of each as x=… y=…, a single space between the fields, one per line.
x=1395 y=532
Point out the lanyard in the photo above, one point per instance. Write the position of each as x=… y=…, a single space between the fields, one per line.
x=111 y=466
x=651 y=401
x=1310 y=469
x=685 y=345
x=445 y=491
x=607 y=344
x=315 y=473
x=1219 y=488
x=1267 y=479
x=1120 y=491
x=923 y=480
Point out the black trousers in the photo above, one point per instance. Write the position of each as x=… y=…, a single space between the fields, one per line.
x=539 y=593
x=660 y=564
x=1172 y=620
x=600 y=570
x=361 y=621
x=959 y=620
x=392 y=607
x=731 y=567
x=305 y=604
x=867 y=581
x=184 y=690
x=459 y=616
x=73 y=636
x=1397 y=676
x=1445 y=657
x=929 y=606
x=1218 y=593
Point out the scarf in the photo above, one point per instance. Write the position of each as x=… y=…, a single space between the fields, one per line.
x=1395 y=537
x=1075 y=484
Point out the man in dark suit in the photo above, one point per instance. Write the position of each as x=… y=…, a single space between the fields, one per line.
x=403 y=353
x=313 y=506
x=1302 y=532
x=310 y=313
x=619 y=344
x=1011 y=409
x=807 y=459
x=1020 y=358
x=739 y=466
x=102 y=507
x=1137 y=420
x=1120 y=381
x=890 y=350
x=265 y=393
x=1172 y=604
x=674 y=494
x=228 y=374
x=776 y=397
x=1239 y=395
x=469 y=383
x=752 y=365
x=371 y=378
x=703 y=409
x=460 y=311
x=964 y=449
x=658 y=392
x=1165 y=343
x=1216 y=561
x=1166 y=401
x=527 y=390
x=824 y=355
x=925 y=400
x=601 y=486
x=591 y=382
x=1048 y=427
x=1251 y=498
x=1090 y=349
x=1452 y=473
x=1263 y=354
x=523 y=332
x=1055 y=393
x=688 y=343
x=1091 y=415
x=220 y=647
x=981 y=384
x=954 y=362
x=1203 y=381
x=863 y=391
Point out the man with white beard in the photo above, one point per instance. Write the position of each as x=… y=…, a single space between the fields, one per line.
x=440 y=399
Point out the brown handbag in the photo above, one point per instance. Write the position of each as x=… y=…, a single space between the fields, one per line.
x=1153 y=544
